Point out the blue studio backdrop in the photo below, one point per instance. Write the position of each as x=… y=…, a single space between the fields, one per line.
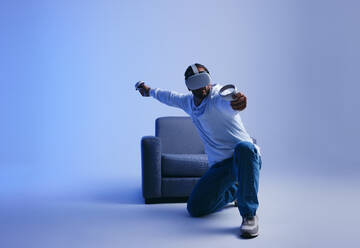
x=70 y=115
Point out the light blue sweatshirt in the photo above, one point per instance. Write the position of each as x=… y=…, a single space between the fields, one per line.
x=219 y=126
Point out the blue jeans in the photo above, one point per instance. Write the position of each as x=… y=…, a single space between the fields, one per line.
x=218 y=186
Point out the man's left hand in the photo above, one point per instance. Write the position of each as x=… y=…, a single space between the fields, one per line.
x=239 y=102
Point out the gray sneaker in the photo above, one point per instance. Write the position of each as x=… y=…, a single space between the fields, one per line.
x=250 y=227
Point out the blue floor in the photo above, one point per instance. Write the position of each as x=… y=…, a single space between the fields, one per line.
x=316 y=212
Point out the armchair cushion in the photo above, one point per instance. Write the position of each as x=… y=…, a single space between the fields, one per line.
x=183 y=165
x=178 y=135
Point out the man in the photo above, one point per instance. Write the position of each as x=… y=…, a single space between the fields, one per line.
x=234 y=159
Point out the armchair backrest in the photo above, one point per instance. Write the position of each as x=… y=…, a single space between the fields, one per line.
x=178 y=135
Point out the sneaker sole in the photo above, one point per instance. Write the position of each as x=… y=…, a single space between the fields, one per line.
x=248 y=235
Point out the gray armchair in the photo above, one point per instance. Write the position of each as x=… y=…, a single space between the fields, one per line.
x=172 y=161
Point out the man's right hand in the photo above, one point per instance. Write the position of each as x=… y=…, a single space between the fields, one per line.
x=144 y=90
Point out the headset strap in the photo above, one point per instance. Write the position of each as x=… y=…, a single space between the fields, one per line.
x=195 y=69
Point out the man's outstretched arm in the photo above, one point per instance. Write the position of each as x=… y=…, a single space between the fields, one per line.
x=167 y=97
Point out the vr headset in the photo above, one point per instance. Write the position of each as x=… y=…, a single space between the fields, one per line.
x=198 y=80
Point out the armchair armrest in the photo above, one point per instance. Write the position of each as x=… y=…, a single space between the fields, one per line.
x=151 y=166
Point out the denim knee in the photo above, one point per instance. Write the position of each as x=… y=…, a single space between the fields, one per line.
x=192 y=209
x=244 y=148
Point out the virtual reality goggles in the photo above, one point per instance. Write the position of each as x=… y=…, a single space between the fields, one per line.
x=198 y=80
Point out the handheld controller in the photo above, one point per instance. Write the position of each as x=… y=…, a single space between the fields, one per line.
x=228 y=91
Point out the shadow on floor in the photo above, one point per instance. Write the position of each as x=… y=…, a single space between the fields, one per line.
x=116 y=194
x=176 y=216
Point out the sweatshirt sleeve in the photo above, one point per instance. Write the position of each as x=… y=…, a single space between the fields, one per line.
x=225 y=106
x=171 y=98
